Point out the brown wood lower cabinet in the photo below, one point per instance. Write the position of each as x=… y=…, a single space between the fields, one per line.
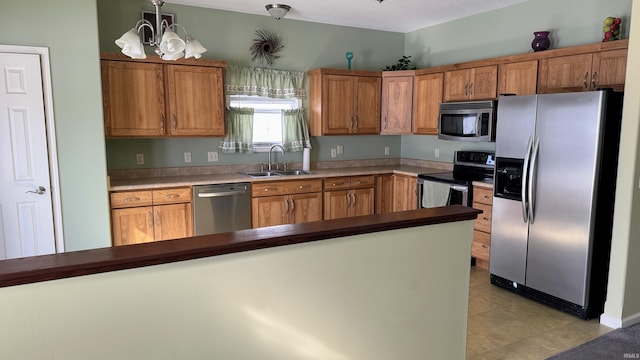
x=396 y=192
x=151 y=215
x=349 y=196
x=481 y=246
x=286 y=202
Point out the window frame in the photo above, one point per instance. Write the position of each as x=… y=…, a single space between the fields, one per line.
x=292 y=103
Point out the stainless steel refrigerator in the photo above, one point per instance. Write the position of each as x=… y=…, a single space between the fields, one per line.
x=554 y=186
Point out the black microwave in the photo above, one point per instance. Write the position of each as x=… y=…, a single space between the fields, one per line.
x=467 y=121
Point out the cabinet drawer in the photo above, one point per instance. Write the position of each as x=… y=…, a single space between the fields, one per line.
x=172 y=196
x=482 y=195
x=337 y=183
x=480 y=251
x=482 y=238
x=363 y=181
x=483 y=222
x=269 y=188
x=131 y=199
x=349 y=182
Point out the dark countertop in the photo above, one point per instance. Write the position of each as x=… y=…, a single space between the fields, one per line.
x=78 y=263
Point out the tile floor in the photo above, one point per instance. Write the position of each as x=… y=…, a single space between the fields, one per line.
x=504 y=325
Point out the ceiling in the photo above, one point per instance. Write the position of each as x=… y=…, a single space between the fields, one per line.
x=389 y=15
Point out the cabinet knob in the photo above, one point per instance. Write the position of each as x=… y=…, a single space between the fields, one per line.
x=594 y=78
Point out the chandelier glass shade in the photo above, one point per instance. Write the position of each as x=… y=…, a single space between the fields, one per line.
x=168 y=45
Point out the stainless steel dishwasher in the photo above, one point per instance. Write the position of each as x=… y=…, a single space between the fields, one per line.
x=221 y=208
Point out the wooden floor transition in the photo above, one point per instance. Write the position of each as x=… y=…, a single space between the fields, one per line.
x=504 y=325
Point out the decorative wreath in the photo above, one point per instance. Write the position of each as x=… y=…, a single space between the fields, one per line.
x=265 y=47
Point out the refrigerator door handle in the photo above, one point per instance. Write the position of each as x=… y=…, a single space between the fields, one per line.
x=525 y=181
x=532 y=174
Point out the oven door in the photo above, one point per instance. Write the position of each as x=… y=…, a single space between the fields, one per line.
x=434 y=193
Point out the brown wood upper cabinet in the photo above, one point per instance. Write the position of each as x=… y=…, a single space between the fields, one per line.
x=519 y=78
x=583 y=72
x=427 y=96
x=344 y=102
x=397 y=102
x=148 y=99
x=471 y=84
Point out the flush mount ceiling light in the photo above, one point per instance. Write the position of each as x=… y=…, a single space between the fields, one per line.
x=169 y=46
x=278 y=11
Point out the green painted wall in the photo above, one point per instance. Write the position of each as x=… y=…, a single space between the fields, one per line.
x=68 y=28
x=308 y=46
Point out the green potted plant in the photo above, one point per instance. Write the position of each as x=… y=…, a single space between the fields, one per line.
x=402 y=64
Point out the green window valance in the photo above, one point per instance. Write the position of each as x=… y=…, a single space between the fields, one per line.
x=278 y=84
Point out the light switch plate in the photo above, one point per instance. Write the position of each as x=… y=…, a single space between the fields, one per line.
x=140 y=159
x=187 y=157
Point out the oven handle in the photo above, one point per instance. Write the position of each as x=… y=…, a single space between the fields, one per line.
x=462 y=188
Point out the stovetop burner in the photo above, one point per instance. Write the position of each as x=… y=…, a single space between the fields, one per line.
x=468 y=166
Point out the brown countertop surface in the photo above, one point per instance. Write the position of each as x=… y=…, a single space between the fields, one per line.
x=175 y=181
x=86 y=262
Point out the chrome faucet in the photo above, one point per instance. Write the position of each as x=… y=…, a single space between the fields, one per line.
x=271 y=150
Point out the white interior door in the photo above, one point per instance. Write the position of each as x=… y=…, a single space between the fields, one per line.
x=26 y=209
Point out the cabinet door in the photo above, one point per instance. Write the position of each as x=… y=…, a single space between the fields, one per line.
x=173 y=221
x=269 y=211
x=564 y=74
x=456 y=85
x=132 y=225
x=362 y=202
x=338 y=104
x=427 y=96
x=404 y=192
x=483 y=82
x=518 y=78
x=133 y=98
x=306 y=207
x=609 y=69
x=384 y=194
x=369 y=93
x=397 y=101
x=336 y=204
x=196 y=101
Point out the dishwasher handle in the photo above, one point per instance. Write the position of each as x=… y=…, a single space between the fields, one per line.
x=221 y=193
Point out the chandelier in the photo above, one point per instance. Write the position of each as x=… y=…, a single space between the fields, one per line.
x=169 y=46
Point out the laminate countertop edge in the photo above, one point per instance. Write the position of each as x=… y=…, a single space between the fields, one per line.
x=78 y=263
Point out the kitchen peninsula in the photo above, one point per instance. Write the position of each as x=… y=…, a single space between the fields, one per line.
x=374 y=287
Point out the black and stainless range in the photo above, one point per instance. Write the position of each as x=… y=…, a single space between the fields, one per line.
x=455 y=186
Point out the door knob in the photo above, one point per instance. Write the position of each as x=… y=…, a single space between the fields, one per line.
x=39 y=190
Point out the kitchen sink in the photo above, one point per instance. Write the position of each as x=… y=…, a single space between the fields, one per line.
x=293 y=172
x=262 y=174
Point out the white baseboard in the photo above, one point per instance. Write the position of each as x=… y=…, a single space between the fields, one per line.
x=616 y=323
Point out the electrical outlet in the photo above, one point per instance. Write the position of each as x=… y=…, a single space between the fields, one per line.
x=139 y=159
x=333 y=153
x=436 y=153
x=212 y=156
x=386 y=150
x=187 y=157
x=339 y=149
